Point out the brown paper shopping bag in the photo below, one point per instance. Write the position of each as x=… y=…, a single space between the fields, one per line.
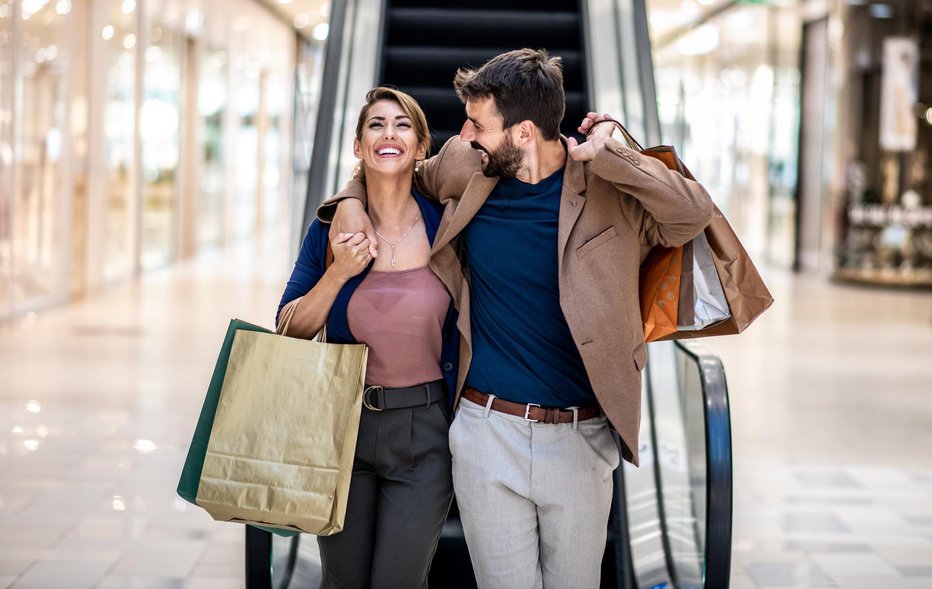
x=283 y=440
x=718 y=290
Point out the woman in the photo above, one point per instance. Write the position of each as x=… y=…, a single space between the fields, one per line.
x=401 y=487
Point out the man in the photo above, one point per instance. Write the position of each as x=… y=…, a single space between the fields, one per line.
x=540 y=245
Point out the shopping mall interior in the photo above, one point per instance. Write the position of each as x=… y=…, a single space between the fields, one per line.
x=160 y=161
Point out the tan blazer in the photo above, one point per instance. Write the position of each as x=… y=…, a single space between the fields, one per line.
x=612 y=210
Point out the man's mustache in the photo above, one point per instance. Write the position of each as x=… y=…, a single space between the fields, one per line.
x=477 y=146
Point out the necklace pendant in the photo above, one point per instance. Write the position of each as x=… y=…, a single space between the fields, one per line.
x=394 y=259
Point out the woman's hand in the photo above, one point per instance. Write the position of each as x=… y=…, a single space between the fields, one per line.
x=350 y=255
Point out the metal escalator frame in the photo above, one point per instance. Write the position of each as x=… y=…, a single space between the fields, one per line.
x=658 y=485
x=718 y=467
x=323 y=127
x=719 y=481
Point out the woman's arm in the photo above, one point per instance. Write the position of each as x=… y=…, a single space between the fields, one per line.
x=317 y=286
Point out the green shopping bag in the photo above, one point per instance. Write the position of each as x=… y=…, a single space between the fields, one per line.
x=194 y=463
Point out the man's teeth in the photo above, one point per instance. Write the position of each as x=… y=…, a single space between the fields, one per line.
x=389 y=150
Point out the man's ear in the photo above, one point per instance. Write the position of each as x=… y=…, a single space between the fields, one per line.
x=526 y=131
x=357 y=149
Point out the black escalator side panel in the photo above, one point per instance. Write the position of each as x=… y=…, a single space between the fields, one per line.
x=426 y=42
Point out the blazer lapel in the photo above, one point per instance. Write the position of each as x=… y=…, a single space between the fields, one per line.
x=475 y=195
x=572 y=201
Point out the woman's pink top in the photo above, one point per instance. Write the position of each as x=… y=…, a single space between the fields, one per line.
x=400 y=316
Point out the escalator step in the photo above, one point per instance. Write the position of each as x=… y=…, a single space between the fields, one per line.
x=494 y=5
x=477 y=28
x=442 y=103
x=409 y=66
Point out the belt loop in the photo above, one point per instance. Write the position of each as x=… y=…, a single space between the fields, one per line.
x=427 y=392
x=488 y=406
x=575 y=411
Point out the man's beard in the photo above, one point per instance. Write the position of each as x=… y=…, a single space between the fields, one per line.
x=504 y=161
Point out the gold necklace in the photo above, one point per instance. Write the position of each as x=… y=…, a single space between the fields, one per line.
x=382 y=237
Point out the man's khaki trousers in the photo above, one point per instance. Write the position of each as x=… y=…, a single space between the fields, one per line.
x=534 y=499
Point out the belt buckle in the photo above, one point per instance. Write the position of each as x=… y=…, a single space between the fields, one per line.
x=527 y=412
x=365 y=398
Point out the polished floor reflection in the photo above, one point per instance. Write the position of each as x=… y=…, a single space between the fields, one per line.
x=830 y=396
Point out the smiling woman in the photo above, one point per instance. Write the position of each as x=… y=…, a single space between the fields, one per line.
x=403 y=313
x=389 y=117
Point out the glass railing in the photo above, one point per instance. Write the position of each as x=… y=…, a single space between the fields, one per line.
x=679 y=500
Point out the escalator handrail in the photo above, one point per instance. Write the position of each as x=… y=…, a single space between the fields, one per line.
x=718 y=465
x=334 y=53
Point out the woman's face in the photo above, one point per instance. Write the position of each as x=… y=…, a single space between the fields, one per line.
x=389 y=144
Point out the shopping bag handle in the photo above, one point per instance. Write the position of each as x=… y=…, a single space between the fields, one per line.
x=632 y=142
x=284 y=318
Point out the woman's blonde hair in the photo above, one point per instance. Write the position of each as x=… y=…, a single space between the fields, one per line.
x=408 y=105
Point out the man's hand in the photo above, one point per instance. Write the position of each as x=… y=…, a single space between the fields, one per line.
x=596 y=136
x=351 y=218
x=590 y=121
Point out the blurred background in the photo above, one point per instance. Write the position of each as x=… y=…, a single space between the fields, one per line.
x=135 y=134
x=161 y=159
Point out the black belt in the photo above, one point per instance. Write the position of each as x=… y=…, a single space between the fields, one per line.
x=379 y=398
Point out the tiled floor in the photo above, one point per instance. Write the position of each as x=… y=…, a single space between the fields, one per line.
x=831 y=396
x=831 y=399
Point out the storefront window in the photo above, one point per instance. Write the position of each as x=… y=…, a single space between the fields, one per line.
x=160 y=131
x=276 y=103
x=6 y=155
x=41 y=198
x=107 y=106
x=119 y=38
x=886 y=223
x=247 y=94
x=212 y=105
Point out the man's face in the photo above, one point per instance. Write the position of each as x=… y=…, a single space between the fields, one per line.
x=483 y=130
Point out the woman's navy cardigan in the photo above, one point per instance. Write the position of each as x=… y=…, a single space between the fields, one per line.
x=309 y=268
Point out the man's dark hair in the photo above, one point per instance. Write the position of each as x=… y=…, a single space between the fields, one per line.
x=525 y=84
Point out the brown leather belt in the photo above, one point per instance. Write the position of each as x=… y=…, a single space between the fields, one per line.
x=532 y=411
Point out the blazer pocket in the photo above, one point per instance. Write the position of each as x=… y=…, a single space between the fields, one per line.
x=600 y=239
x=640 y=356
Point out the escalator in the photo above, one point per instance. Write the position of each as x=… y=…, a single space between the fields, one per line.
x=670 y=523
x=425 y=42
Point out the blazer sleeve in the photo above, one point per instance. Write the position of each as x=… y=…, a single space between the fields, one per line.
x=661 y=205
x=308 y=268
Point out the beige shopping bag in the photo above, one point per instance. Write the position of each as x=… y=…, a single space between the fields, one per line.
x=283 y=440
